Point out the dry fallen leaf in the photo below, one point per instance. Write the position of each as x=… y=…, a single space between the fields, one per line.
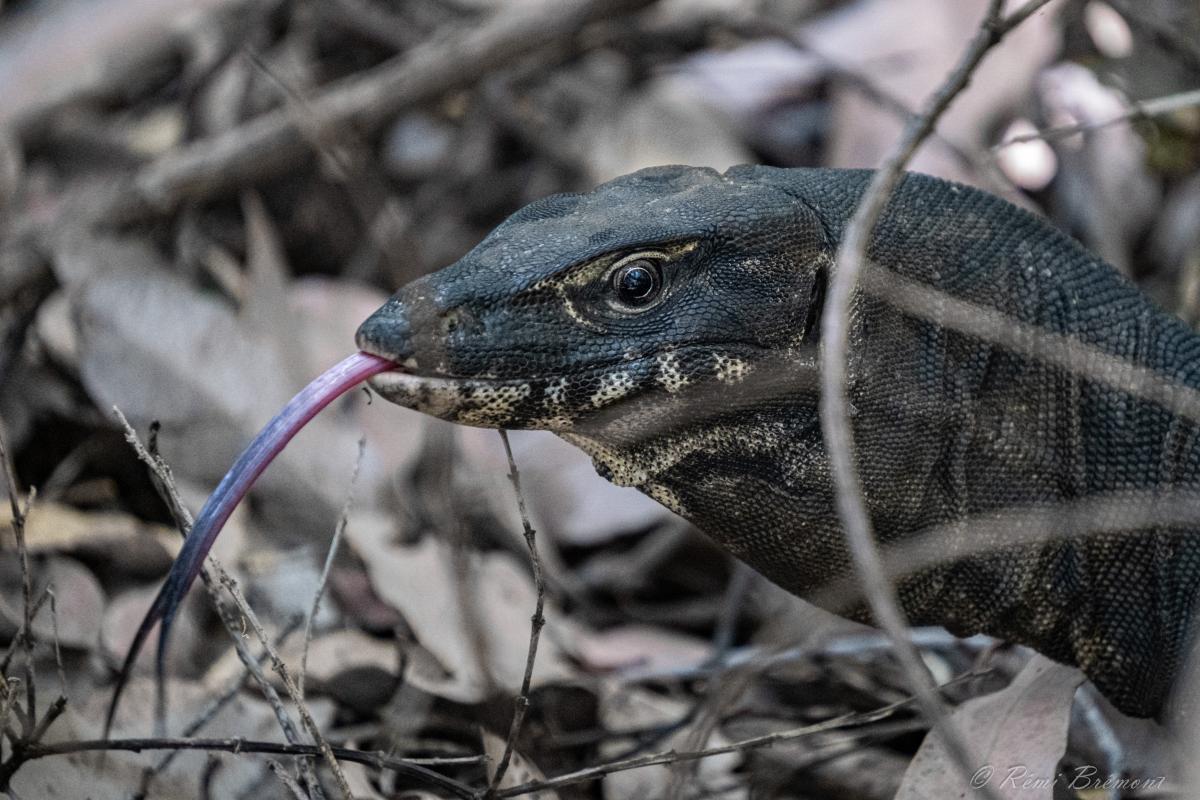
x=659 y=124
x=336 y=652
x=1019 y=734
x=633 y=708
x=126 y=611
x=520 y=769
x=161 y=350
x=420 y=582
x=122 y=539
x=88 y=776
x=566 y=498
x=1105 y=187
x=79 y=601
x=643 y=646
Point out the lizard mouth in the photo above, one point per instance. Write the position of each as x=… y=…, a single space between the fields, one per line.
x=479 y=401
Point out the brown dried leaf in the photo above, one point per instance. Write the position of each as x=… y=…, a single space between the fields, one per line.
x=337 y=652
x=264 y=309
x=633 y=708
x=643 y=646
x=1019 y=734
x=78 y=597
x=420 y=582
x=520 y=769
x=116 y=774
x=159 y=349
x=134 y=545
x=566 y=498
x=125 y=613
x=660 y=124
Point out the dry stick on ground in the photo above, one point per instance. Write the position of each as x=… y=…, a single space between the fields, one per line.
x=18 y=529
x=441 y=64
x=212 y=567
x=18 y=640
x=233 y=622
x=324 y=579
x=536 y=622
x=32 y=729
x=1141 y=109
x=286 y=779
x=206 y=714
x=378 y=760
x=58 y=659
x=415 y=768
x=765 y=740
x=834 y=413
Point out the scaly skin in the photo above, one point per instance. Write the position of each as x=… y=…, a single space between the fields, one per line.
x=702 y=392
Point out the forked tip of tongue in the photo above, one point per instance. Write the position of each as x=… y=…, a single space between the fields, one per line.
x=331 y=384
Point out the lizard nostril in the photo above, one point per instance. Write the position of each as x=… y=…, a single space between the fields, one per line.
x=386 y=333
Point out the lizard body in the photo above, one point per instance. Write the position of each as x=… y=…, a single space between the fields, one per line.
x=667 y=323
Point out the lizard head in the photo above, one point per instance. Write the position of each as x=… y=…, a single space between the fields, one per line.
x=638 y=311
x=587 y=313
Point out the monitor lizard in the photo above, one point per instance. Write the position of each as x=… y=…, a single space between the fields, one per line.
x=668 y=322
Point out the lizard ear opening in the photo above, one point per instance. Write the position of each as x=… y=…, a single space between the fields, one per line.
x=816 y=305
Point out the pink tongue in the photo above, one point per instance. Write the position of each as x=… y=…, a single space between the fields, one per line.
x=333 y=383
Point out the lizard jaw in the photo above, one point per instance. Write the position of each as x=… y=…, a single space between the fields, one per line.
x=470 y=401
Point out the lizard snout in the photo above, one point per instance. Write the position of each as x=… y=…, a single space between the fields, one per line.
x=388 y=333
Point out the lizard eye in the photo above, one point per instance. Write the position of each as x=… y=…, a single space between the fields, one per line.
x=637 y=283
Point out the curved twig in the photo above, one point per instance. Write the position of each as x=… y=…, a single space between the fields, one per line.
x=835 y=418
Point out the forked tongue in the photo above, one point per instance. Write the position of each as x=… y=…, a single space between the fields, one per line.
x=334 y=382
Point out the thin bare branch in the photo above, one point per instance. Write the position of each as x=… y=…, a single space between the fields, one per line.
x=287 y=780
x=437 y=66
x=58 y=660
x=834 y=412
x=378 y=760
x=209 y=712
x=18 y=640
x=852 y=720
x=212 y=574
x=324 y=579
x=281 y=669
x=1143 y=109
x=536 y=622
x=9 y=688
x=18 y=529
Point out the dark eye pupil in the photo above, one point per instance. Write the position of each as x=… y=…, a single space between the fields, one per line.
x=636 y=282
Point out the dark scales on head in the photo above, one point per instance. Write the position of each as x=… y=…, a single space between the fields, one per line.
x=666 y=322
